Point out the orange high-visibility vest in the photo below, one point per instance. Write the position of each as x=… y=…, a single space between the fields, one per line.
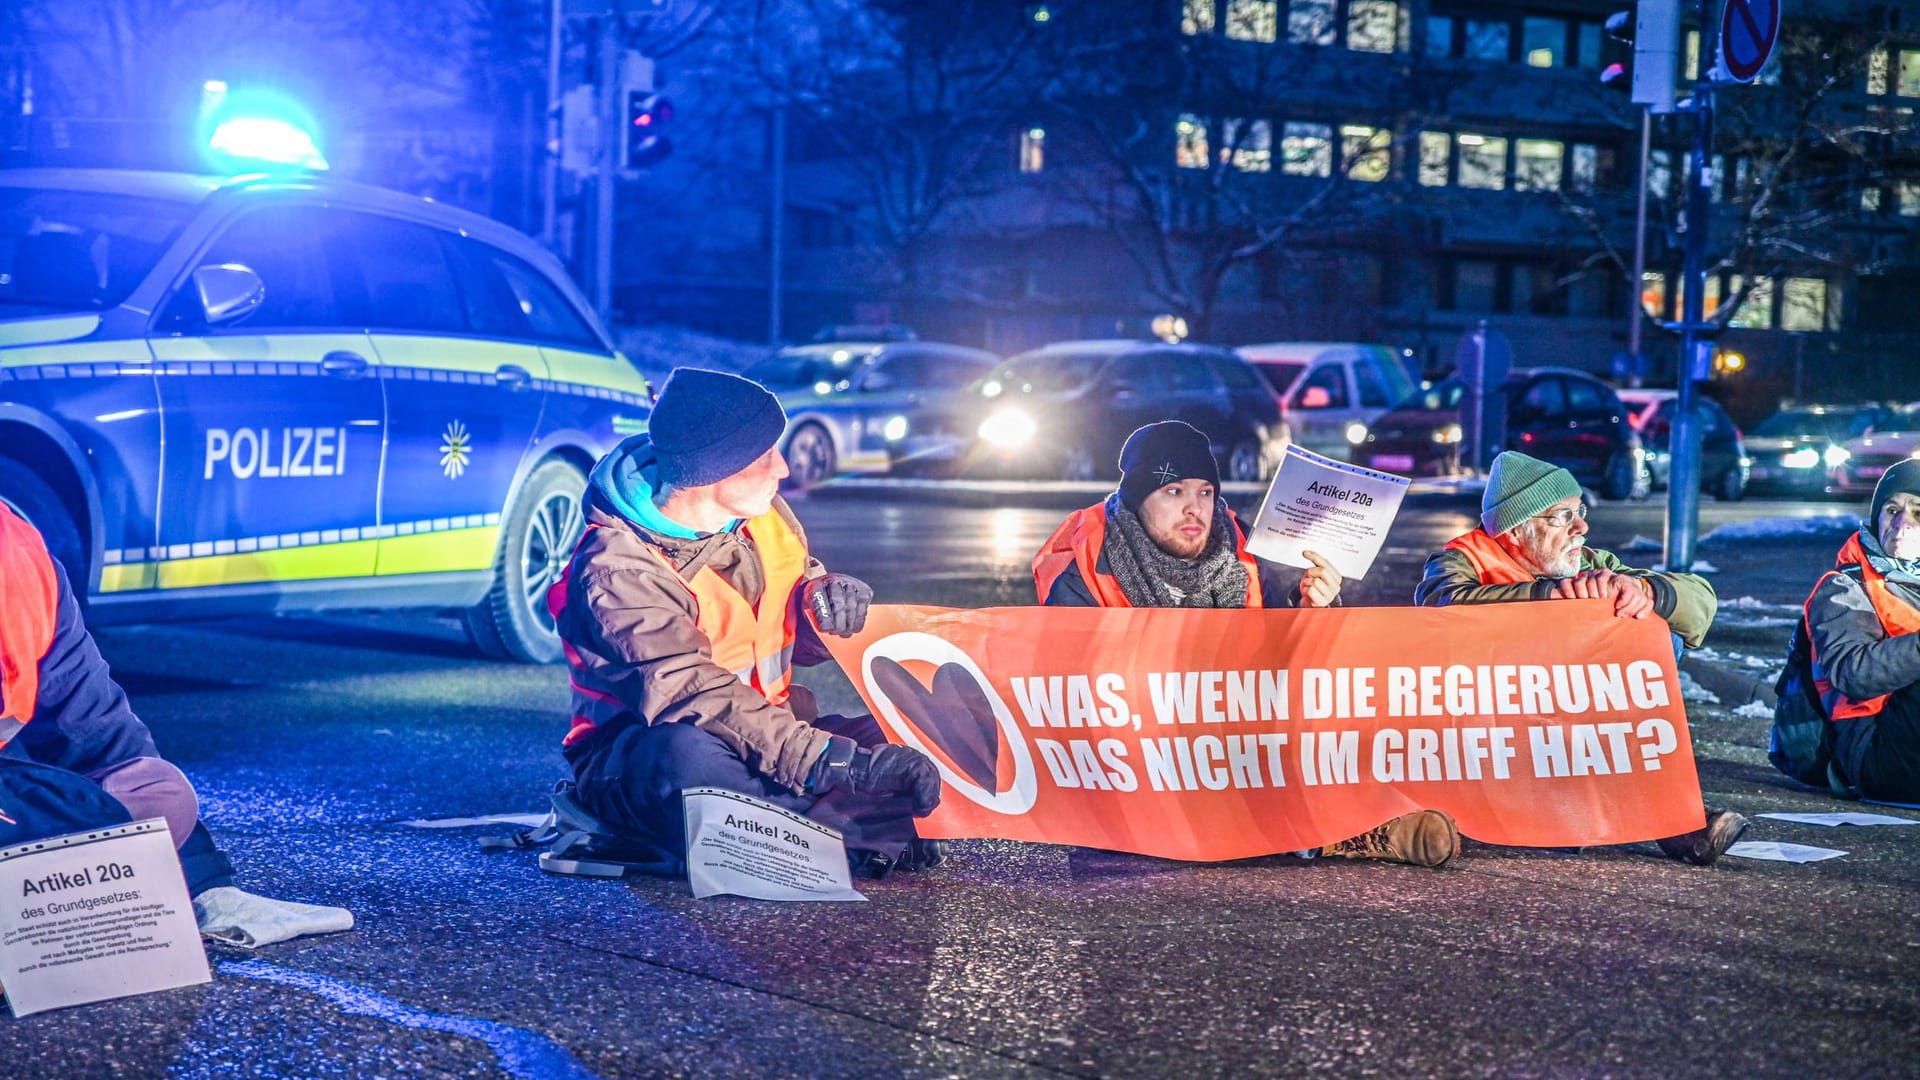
x=29 y=611
x=1896 y=618
x=1077 y=542
x=756 y=645
x=1495 y=564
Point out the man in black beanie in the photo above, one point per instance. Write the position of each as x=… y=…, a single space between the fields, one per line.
x=1167 y=539
x=1848 y=708
x=680 y=613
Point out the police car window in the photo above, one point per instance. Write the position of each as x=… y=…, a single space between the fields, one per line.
x=285 y=246
x=68 y=250
x=1140 y=374
x=1238 y=376
x=1191 y=374
x=404 y=272
x=1373 y=389
x=952 y=372
x=547 y=311
x=1330 y=379
x=491 y=307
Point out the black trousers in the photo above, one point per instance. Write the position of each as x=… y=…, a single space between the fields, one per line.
x=632 y=779
x=38 y=801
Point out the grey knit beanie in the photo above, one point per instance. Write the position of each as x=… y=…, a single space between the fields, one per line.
x=1519 y=487
x=708 y=425
x=1901 y=478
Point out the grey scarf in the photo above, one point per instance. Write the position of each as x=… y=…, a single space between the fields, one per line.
x=1152 y=578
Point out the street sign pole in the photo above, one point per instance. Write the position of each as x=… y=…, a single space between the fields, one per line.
x=1683 y=481
x=1636 y=286
x=608 y=165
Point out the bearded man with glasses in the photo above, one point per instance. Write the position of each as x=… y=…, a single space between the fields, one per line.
x=1532 y=545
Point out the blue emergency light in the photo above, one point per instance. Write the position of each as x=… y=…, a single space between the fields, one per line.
x=255 y=132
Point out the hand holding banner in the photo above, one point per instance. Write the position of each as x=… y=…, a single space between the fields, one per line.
x=1228 y=734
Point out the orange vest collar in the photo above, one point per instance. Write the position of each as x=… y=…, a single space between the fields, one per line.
x=755 y=643
x=29 y=611
x=1077 y=542
x=1495 y=564
x=1895 y=615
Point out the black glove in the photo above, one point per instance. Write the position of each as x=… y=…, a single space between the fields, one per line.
x=878 y=770
x=839 y=603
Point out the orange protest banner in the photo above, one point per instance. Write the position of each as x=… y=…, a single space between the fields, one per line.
x=1227 y=734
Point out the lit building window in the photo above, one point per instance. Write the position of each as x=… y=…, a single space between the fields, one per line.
x=1757 y=312
x=1373 y=25
x=1909 y=85
x=1543 y=42
x=1440 y=35
x=1366 y=152
x=1653 y=294
x=1033 y=150
x=1250 y=143
x=1487 y=40
x=1690 y=65
x=1306 y=150
x=1483 y=161
x=1253 y=20
x=1436 y=147
x=1877 y=64
x=1586 y=168
x=1907 y=194
x=1311 y=22
x=1537 y=164
x=1870 y=200
x=1190 y=142
x=1196 y=17
x=1803 y=304
x=1659 y=174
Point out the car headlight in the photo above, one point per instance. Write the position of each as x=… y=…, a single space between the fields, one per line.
x=1008 y=428
x=1356 y=433
x=1836 y=456
x=895 y=429
x=1447 y=435
x=1804 y=458
x=991 y=388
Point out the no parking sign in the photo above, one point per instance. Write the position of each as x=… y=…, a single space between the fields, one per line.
x=1749 y=30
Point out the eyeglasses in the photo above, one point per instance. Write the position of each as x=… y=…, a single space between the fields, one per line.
x=1560 y=519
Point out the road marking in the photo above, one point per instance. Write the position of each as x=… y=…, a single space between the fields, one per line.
x=525 y=1054
x=462 y=822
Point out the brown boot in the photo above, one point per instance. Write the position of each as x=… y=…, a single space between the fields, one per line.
x=1422 y=838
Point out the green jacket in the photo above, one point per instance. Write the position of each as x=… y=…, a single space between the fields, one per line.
x=1686 y=601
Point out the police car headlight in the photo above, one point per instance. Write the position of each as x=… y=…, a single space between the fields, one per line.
x=1356 y=433
x=1804 y=458
x=1836 y=456
x=895 y=429
x=1008 y=428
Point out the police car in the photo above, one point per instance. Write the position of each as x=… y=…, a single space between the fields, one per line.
x=294 y=392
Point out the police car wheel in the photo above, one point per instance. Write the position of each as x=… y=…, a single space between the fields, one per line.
x=810 y=457
x=35 y=500
x=536 y=540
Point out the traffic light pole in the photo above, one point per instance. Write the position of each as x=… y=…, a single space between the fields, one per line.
x=1636 y=285
x=608 y=162
x=1683 y=481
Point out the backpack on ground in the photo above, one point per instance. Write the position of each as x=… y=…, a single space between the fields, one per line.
x=581 y=845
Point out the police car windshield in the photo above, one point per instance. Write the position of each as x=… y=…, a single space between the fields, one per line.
x=798 y=368
x=78 y=250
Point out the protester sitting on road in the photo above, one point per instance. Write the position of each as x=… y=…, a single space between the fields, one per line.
x=74 y=757
x=1167 y=539
x=1855 y=659
x=1531 y=545
x=680 y=613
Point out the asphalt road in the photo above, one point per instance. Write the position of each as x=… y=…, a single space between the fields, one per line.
x=312 y=740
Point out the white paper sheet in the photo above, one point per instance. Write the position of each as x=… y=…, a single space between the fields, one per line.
x=1338 y=510
x=740 y=846
x=96 y=915
x=1776 y=851
x=1848 y=817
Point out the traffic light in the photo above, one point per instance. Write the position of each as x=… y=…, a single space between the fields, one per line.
x=645 y=143
x=1651 y=31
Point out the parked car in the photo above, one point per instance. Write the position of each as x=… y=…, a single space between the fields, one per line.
x=1556 y=414
x=1893 y=439
x=1064 y=410
x=266 y=394
x=868 y=406
x=1794 y=449
x=1723 y=457
x=1330 y=391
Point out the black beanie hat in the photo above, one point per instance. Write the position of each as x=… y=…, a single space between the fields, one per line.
x=1161 y=454
x=1904 y=477
x=708 y=425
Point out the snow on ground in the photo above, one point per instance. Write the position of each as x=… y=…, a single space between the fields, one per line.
x=1755 y=710
x=1693 y=691
x=1780 y=528
x=656 y=350
x=1642 y=543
